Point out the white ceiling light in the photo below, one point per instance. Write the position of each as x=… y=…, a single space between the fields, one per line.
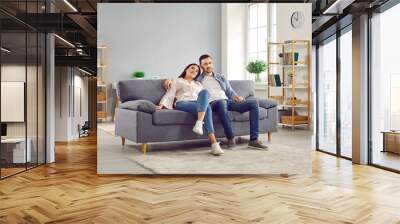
x=337 y=7
x=70 y=5
x=86 y=72
x=5 y=50
x=65 y=41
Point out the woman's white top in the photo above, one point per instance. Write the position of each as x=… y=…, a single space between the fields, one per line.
x=182 y=90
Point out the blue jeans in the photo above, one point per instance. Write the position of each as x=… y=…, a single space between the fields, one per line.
x=200 y=105
x=223 y=106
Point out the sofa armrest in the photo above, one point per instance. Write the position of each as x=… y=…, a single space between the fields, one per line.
x=264 y=103
x=145 y=106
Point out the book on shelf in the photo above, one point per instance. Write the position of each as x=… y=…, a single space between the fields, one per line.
x=278 y=80
x=275 y=80
x=288 y=58
x=271 y=80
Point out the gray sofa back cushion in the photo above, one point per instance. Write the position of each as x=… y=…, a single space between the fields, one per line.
x=141 y=89
x=244 y=88
x=153 y=89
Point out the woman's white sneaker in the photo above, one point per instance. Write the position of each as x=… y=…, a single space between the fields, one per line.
x=216 y=149
x=198 y=128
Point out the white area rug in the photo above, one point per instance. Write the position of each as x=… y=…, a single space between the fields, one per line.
x=108 y=127
x=278 y=159
x=293 y=157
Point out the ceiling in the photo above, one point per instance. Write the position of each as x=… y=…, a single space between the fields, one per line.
x=76 y=21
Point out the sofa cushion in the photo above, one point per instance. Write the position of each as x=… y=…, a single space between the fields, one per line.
x=240 y=117
x=139 y=105
x=141 y=89
x=267 y=103
x=244 y=88
x=168 y=117
x=172 y=117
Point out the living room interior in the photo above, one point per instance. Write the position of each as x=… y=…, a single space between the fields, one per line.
x=57 y=103
x=235 y=42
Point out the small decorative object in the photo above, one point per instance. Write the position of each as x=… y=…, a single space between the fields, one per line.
x=138 y=74
x=293 y=101
x=290 y=79
x=256 y=67
x=101 y=96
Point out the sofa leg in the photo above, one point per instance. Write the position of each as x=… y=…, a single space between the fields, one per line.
x=269 y=136
x=143 y=148
x=123 y=141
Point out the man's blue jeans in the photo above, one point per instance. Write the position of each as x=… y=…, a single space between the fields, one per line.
x=223 y=106
x=200 y=105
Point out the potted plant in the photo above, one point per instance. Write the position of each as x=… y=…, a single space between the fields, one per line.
x=256 y=67
x=138 y=74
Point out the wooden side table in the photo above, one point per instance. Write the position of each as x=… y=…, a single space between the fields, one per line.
x=391 y=141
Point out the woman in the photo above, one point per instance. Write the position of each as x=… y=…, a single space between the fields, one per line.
x=193 y=98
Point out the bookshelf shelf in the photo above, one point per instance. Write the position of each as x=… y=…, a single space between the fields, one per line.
x=288 y=105
x=295 y=66
x=289 y=78
x=102 y=95
x=292 y=125
x=296 y=87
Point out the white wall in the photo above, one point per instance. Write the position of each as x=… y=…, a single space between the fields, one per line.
x=284 y=30
x=80 y=103
x=67 y=113
x=234 y=32
x=160 y=39
x=61 y=104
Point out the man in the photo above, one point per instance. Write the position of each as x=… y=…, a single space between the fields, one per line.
x=223 y=99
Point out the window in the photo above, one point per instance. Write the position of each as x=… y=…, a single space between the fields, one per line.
x=327 y=96
x=346 y=94
x=334 y=60
x=385 y=88
x=22 y=65
x=257 y=35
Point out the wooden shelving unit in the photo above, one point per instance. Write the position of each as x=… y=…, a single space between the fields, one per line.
x=289 y=80
x=102 y=95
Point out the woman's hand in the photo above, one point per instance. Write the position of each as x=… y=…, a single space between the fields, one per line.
x=159 y=107
x=167 y=84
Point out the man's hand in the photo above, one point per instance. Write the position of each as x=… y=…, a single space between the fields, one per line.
x=237 y=98
x=167 y=84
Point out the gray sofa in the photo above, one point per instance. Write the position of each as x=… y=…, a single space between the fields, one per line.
x=139 y=123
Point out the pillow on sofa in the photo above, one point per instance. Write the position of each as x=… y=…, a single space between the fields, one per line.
x=139 y=105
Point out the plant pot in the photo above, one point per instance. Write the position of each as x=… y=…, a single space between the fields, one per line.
x=258 y=78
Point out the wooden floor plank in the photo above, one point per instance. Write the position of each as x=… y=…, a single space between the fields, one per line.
x=70 y=191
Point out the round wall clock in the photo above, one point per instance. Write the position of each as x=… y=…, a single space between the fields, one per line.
x=297 y=19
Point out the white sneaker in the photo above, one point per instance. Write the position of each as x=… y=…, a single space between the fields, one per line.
x=216 y=149
x=198 y=128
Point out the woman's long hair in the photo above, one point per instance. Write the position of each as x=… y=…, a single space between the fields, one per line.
x=183 y=74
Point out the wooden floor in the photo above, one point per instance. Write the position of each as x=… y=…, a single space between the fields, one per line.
x=70 y=191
